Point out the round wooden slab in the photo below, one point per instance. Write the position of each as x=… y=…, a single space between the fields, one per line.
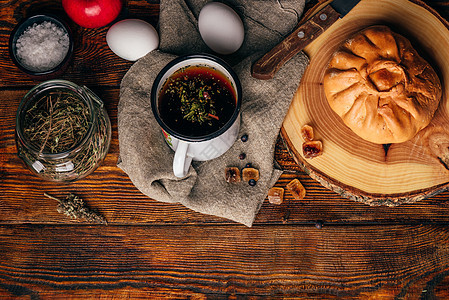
x=371 y=173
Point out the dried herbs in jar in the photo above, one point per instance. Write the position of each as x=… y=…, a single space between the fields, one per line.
x=63 y=131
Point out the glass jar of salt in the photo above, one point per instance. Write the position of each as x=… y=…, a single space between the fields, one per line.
x=63 y=131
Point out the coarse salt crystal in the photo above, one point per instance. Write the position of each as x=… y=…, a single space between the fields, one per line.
x=43 y=46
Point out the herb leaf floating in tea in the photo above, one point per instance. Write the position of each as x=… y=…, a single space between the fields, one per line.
x=197 y=104
x=75 y=208
x=196 y=100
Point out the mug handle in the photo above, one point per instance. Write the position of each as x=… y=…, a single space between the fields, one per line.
x=181 y=161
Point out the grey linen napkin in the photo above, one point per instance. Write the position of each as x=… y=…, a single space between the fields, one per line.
x=145 y=156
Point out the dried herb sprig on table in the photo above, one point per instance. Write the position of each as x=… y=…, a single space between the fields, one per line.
x=74 y=207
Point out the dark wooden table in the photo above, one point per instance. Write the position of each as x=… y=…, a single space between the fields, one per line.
x=321 y=247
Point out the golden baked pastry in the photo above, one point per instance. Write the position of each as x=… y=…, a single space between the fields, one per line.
x=380 y=87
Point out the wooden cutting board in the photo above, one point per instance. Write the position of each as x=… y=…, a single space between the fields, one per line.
x=357 y=169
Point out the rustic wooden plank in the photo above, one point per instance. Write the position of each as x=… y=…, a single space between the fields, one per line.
x=93 y=62
x=186 y=255
x=110 y=191
x=224 y=261
x=441 y=6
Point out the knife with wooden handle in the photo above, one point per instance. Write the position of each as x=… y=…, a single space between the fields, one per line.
x=271 y=62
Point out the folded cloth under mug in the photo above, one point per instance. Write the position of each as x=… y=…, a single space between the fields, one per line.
x=199 y=147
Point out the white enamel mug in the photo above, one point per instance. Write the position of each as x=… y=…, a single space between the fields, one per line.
x=200 y=147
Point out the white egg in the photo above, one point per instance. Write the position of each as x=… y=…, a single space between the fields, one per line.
x=132 y=39
x=221 y=28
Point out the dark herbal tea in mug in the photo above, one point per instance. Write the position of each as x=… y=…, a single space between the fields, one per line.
x=196 y=101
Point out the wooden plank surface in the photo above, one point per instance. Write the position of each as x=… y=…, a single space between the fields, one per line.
x=157 y=250
x=222 y=262
x=108 y=184
x=93 y=63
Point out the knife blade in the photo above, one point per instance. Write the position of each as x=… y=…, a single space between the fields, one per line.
x=267 y=66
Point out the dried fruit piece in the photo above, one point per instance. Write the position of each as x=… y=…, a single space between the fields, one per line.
x=307 y=133
x=276 y=195
x=232 y=175
x=242 y=156
x=250 y=173
x=296 y=189
x=312 y=149
x=244 y=138
x=252 y=182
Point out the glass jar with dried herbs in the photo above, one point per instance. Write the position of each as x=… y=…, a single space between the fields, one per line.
x=63 y=131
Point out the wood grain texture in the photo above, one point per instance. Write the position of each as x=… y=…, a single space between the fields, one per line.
x=154 y=250
x=353 y=167
x=224 y=261
x=93 y=62
x=110 y=191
